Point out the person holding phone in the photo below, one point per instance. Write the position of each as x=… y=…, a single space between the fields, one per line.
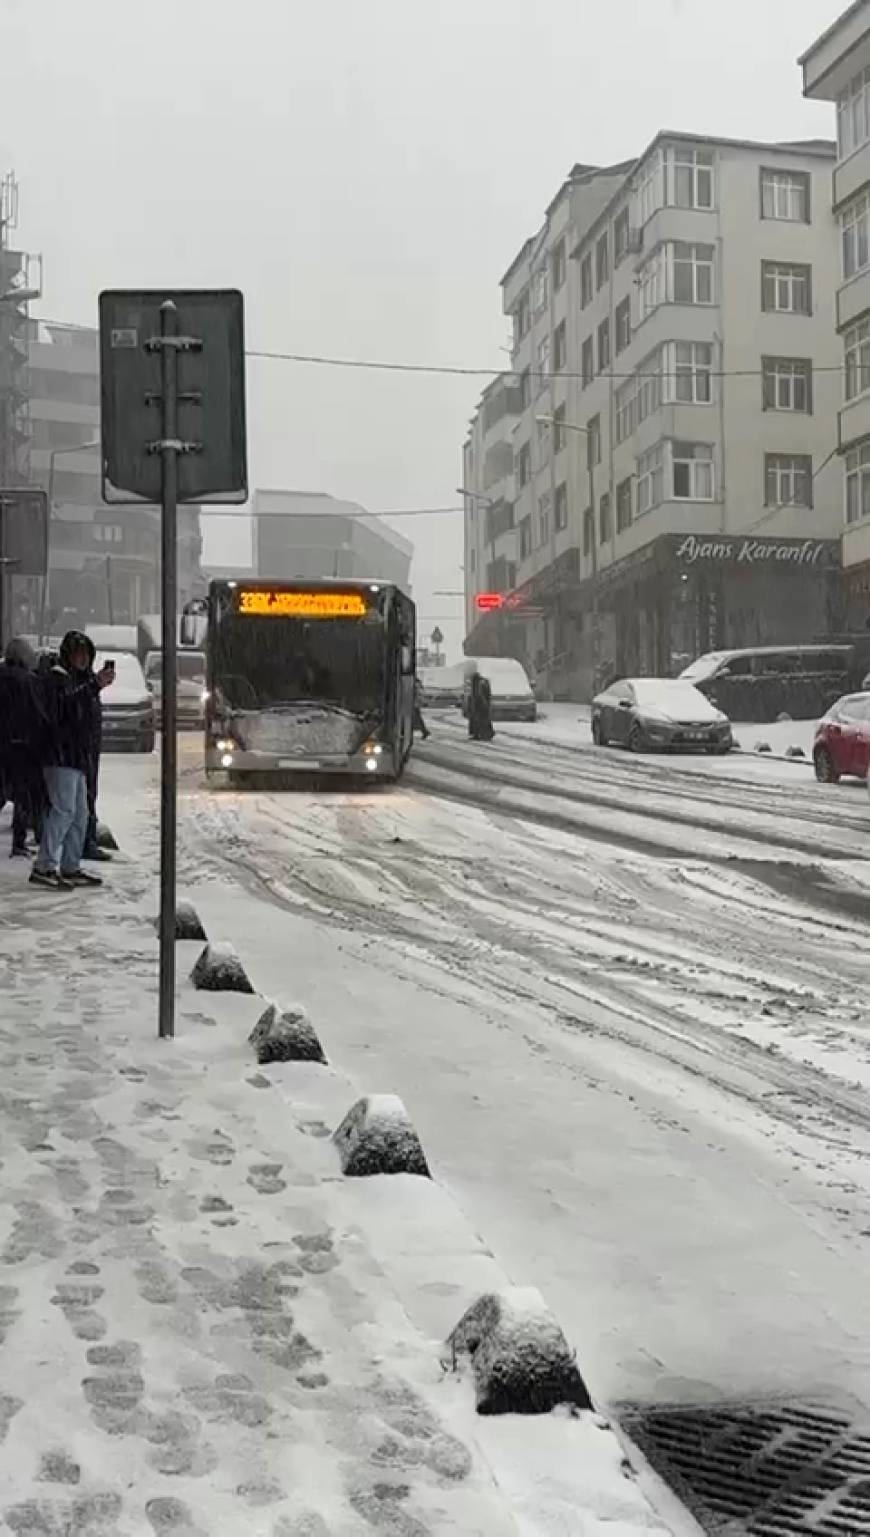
x=92 y=853
x=71 y=701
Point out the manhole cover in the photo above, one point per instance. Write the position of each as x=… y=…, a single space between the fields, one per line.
x=770 y=1470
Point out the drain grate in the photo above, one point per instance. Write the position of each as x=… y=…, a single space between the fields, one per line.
x=769 y=1470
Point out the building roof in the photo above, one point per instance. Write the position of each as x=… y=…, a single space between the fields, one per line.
x=829 y=32
x=320 y=504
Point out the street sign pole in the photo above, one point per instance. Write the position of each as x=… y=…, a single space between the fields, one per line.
x=169 y=449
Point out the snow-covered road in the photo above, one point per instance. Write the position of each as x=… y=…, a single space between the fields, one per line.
x=626 y=1002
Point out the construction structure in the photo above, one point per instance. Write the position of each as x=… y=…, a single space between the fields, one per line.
x=20 y=281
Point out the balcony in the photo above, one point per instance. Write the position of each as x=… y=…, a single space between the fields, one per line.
x=853 y=422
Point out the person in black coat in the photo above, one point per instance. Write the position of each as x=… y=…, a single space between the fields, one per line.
x=92 y=850
x=21 y=728
x=480 y=710
x=71 y=700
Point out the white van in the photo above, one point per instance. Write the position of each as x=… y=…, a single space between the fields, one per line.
x=512 y=694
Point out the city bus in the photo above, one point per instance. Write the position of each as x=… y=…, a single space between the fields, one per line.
x=311 y=677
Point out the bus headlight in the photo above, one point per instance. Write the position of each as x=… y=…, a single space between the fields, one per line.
x=227 y=760
x=225 y=745
x=372 y=765
x=372 y=748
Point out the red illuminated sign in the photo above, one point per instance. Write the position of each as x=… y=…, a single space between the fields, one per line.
x=488 y=601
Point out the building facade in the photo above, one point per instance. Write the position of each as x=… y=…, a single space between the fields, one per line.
x=310 y=534
x=672 y=344
x=104 y=561
x=488 y=482
x=837 y=69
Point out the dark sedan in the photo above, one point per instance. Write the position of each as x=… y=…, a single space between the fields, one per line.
x=643 y=714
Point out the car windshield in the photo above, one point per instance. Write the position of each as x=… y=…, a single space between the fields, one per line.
x=673 y=696
x=190 y=667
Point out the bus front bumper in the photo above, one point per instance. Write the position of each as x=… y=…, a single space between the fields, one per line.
x=231 y=759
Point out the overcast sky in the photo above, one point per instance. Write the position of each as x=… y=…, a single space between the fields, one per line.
x=364 y=170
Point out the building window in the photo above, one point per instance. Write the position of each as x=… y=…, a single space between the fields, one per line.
x=621 y=237
x=524 y=465
x=543 y=363
x=623 y=505
x=558 y=261
x=787 y=384
x=559 y=433
x=522 y=318
x=602 y=261
x=586 y=286
x=622 y=325
x=472 y=561
x=605 y=527
x=625 y=409
x=541 y=289
x=855 y=236
x=786 y=195
x=560 y=347
x=651 y=187
x=650 y=478
x=544 y=518
x=691 y=177
x=857 y=342
x=525 y=538
x=692 y=469
x=587 y=363
x=858 y=484
x=786 y=288
x=853 y=114
x=588 y=530
x=525 y=389
x=788 y=480
x=651 y=284
x=543 y=431
x=693 y=273
x=649 y=382
x=693 y=373
x=561 y=507
x=593 y=442
x=603 y=346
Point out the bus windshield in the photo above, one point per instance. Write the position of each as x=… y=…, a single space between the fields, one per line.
x=263 y=663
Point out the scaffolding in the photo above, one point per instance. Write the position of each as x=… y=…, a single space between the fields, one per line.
x=20 y=281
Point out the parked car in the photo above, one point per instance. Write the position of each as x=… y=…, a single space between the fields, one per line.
x=128 y=709
x=646 y=713
x=759 y=683
x=512 y=694
x=441 y=687
x=842 y=743
x=190 y=696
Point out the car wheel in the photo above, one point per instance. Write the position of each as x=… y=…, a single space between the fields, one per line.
x=826 y=772
x=636 y=739
x=598 y=733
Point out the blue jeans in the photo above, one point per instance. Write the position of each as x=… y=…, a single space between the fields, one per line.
x=66 y=825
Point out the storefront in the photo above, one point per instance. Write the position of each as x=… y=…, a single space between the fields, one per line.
x=690 y=593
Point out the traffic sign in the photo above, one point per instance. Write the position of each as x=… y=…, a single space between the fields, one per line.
x=436 y=637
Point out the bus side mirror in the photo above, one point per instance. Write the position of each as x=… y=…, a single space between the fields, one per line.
x=407 y=659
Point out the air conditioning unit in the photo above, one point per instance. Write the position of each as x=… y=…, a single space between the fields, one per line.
x=635 y=240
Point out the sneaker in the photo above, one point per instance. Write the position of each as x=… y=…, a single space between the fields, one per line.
x=50 y=880
x=80 y=878
x=96 y=856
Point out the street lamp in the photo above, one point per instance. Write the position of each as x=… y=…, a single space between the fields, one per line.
x=592 y=438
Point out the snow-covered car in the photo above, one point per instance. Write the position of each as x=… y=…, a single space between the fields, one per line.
x=441 y=687
x=512 y=694
x=190 y=687
x=647 y=713
x=128 y=708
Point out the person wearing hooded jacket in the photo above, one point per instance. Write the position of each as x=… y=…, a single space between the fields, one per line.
x=71 y=700
x=21 y=727
x=92 y=850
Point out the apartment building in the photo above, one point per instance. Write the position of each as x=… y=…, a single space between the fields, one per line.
x=837 y=69
x=311 y=534
x=488 y=484
x=676 y=412
x=104 y=562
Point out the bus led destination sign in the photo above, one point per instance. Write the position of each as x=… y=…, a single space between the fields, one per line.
x=302 y=605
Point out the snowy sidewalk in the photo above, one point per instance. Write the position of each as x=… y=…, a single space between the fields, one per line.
x=205 y=1329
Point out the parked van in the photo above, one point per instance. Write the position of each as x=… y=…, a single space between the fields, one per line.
x=512 y=694
x=761 y=682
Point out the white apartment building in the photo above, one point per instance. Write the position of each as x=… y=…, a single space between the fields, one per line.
x=488 y=480
x=673 y=347
x=837 y=68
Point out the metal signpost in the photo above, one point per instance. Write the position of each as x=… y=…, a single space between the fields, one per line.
x=23 y=541
x=173 y=430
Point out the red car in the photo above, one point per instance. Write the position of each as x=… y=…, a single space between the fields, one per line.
x=842 y=744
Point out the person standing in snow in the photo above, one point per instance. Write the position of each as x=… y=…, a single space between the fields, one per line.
x=480 y=710
x=70 y=696
x=418 y=723
x=20 y=731
x=92 y=850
